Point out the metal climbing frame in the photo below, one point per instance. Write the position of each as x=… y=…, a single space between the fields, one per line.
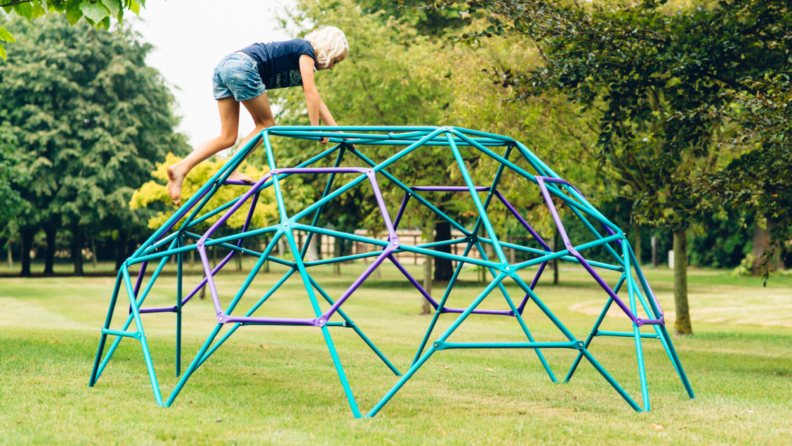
x=167 y=242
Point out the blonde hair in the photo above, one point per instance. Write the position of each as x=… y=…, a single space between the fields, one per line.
x=328 y=43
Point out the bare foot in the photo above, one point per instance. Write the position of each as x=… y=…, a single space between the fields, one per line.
x=237 y=176
x=175 y=180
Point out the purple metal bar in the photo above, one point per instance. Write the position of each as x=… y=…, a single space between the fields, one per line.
x=536 y=236
x=433 y=302
x=215 y=270
x=449 y=188
x=414 y=282
x=401 y=210
x=374 y=265
x=638 y=321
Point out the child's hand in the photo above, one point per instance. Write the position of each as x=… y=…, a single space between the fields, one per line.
x=324 y=140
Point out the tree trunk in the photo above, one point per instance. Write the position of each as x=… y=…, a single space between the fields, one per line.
x=637 y=247
x=76 y=250
x=93 y=252
x=443 y=268
x=51 y=231
x=761 y=242
x=682 y=325
x=312 y=255
x=555 y=261
x=121 y=248
x=426 y=308
x=655 y=262
x=27 y=235
x=10 y=256
x=266 y=262
x=337 y=248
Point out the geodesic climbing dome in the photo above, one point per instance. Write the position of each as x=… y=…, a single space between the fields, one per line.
x=168 y=241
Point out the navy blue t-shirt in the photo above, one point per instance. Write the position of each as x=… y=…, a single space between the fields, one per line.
x=279 y=62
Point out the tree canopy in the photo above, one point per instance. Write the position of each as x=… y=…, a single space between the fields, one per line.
x=90 y=120
x=96 y=12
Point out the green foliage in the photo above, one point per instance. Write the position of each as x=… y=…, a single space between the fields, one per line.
x=90 y=119
x=12 y=172
x=155 y=192
x=394 y=75
x=674 y=82
x=96 y=12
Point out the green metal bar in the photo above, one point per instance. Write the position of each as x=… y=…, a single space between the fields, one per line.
x=564 y=252
x=611 y=381
x=401 y=154
x=325 y=332
x=567 y=258
x=328 y=198
x=636 y=329
x=140 y=300
x=477 y=200
x=625 y=334
x=596 y=213
x=264 y=186
x=248 y=314
x=675 y=357
x=599 y=236
x=103 y=338
x=533 y=345
x=142 y=336
x=530 y=177
x=441 y=305
x=414 y=368
x=571 y=337
x=433 y=253
x=595 y=329
x=253 y=272
x=412 y=193
x=343 y=259
x=344 y=235
x=319 y=211
x=126 y=334
x=193 y=365
x=179 y=279
x=241 y=235
x=431 y=350
x=359 y=332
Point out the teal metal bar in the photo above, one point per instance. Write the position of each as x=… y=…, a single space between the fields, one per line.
x=412 y=193
x=126 y=334
x=103 y=338
x=636 y=328
x=352 y=324
x=625 y=334
x=532 y=345
x=477 y=200
x=179 y=279
x=412 y=138
x=142 y=336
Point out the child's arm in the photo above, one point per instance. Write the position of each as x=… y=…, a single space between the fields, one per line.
x=312 y=98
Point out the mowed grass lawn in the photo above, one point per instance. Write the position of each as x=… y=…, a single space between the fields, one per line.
x=278 y=385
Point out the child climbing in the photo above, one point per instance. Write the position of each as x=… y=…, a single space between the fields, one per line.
x=245 y=76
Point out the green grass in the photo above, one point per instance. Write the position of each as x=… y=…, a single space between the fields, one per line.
x=277 y=385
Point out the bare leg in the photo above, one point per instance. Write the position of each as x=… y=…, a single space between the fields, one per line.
x=261 y=113
x=229 y=120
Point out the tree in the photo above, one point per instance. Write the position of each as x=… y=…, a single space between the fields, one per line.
x=90 y=119
x=96 y=12
x=663 y=75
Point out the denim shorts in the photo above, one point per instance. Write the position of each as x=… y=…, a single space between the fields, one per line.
x=237 y=75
